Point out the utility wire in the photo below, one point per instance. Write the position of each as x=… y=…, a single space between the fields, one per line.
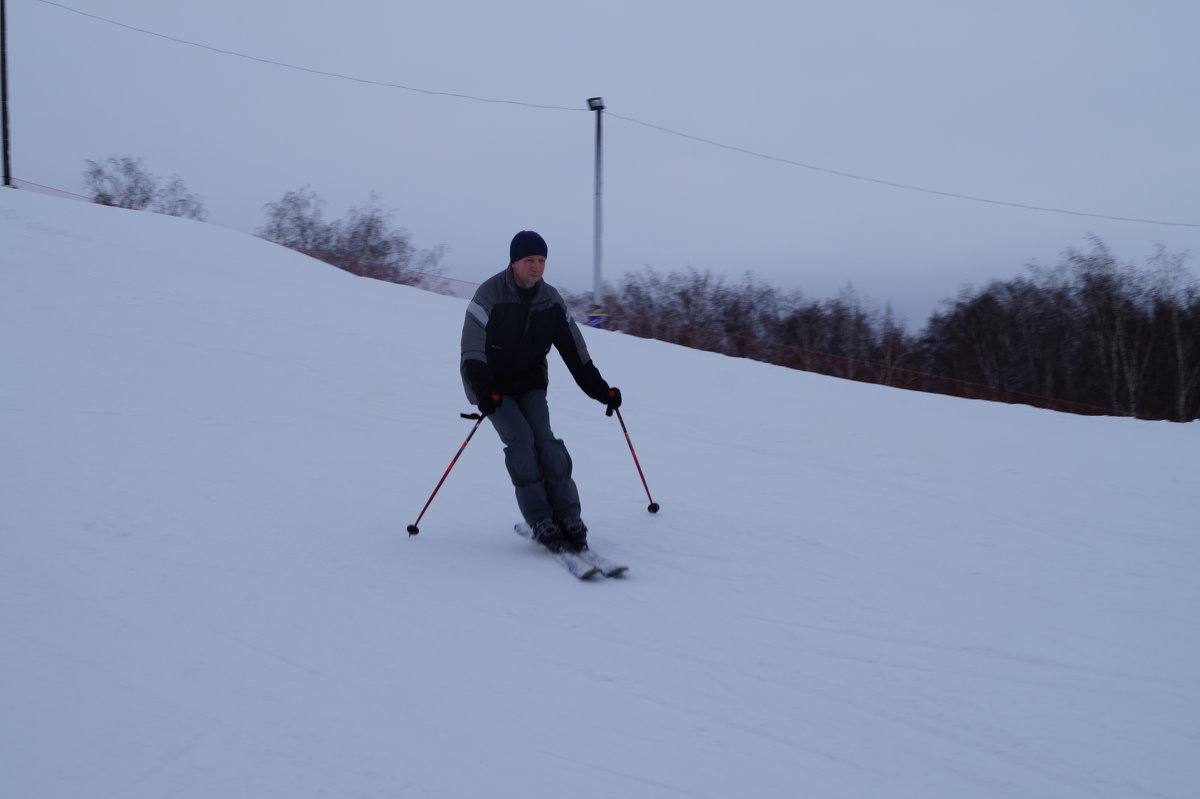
x=304 y=69
x=710 y=142
x=895 y=185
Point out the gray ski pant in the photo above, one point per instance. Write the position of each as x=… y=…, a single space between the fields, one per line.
x=537 y=462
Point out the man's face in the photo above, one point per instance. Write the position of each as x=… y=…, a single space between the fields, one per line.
x=528 y=271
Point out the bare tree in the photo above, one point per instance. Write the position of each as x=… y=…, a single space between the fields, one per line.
x=175 y=199
x=123 y=182
x=297 y=221
x=1177 y=309
x=364 y=243
x=1115 y=317
x=120 y=181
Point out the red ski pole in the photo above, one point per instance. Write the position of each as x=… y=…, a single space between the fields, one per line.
x=653 y=506
x=412 y=528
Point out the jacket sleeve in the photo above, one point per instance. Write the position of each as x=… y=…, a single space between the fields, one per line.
x=570 y=345
x=476 y=375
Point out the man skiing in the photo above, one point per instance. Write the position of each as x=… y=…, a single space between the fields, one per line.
x=510 y=325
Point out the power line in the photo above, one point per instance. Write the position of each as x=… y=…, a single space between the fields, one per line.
x=660 y=128
x=905 y=186
x=301 y=68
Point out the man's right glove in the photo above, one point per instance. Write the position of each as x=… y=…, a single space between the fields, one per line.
x=612 y=399
x=488 y=403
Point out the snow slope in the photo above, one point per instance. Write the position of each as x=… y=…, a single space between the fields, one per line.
x=212 y=446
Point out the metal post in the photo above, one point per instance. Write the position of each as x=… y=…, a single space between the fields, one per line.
x=4 y=90
x=597 y=104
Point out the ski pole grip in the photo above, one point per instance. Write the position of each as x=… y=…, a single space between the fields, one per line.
x=471 y=415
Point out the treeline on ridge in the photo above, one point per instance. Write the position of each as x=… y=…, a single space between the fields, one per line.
x=1089 y=335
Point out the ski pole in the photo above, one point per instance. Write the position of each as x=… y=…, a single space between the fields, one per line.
x=412 y=528
x=653 y=506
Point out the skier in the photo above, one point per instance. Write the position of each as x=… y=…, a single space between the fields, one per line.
x=510 y=325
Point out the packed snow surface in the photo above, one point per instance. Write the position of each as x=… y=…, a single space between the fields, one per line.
x=212 y=447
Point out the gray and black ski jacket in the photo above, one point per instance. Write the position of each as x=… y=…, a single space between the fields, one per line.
x=507 y=334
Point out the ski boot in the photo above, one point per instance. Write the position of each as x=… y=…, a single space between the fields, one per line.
x=547 y=534
x=574 y=534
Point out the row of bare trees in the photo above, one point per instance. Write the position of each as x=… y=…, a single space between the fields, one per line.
x=364 y=242
x=1091 y=330
x=1090 y=335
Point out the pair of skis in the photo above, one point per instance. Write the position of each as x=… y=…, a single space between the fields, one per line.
x=583 y=565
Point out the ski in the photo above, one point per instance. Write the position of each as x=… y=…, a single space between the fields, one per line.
x=607 y=567
x=582 y=564
x=573 y=563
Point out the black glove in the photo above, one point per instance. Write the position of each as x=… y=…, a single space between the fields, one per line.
x=488 y=403
x=612 y=398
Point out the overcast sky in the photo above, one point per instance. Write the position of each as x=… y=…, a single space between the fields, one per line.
x=1082 y=105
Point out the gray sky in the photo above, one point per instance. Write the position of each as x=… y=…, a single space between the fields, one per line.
x=1083 y=105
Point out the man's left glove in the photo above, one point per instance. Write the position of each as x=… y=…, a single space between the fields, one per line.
x=612 y=399
x=488 y=403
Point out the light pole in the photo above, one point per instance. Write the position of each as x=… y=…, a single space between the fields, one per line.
x=597 y=104
x=4 y=90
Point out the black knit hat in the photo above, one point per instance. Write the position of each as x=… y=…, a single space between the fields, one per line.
x=525 y=244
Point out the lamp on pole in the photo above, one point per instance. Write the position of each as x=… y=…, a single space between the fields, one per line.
x=597 y=104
